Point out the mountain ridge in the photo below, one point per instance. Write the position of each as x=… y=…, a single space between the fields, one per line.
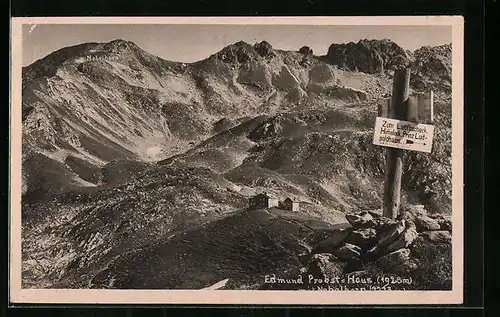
x=151 y=70
x=118 y=41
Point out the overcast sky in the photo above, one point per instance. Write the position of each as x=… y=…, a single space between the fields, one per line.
x=189 y=43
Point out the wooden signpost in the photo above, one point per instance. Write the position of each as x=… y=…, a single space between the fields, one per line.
x=399 y=126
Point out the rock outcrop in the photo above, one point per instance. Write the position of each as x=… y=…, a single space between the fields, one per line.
x=394 y=259
x=333 y=241
x=238 y=53
x=375 y=242
x=362 y=237
x=426 y=223
x=368 y=56
x=264 y=49
x=441 y=236
x=325 y=264
x=348 y=252
x=306 y=50
x=432 y=67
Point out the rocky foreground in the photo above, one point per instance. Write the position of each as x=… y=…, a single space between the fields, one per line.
x=375 y=253
x=276 y=249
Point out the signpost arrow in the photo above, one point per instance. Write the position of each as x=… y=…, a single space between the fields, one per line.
x=414 y=142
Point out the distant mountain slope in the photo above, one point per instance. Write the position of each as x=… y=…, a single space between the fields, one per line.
x=100 y=102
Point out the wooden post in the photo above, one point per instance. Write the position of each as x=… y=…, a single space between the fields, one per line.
x=426 y=106
x=397 y=110
x=421 y=108
x=412 y=114
x=383 y=108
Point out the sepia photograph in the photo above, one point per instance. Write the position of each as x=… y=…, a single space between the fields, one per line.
x=237 y=160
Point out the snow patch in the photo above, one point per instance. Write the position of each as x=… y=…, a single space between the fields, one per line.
x=155 y=152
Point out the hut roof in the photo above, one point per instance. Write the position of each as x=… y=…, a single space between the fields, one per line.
x=267 y=195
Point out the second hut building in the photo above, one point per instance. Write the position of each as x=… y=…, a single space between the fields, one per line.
x=290 y=204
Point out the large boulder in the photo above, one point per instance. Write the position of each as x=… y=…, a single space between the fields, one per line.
x=360 y=220
x=364 y=238
x=295 y=95
x=405 y=239
x=441 y=236
x=444 y=221
x=445 y=224
x=333 y=241
x=347 y=252
x=383 y=223
x=426 y=223
x=405 y=267
x=369 y=219
x=390 y=233
x=393 y=259
x=325 y=265
x=413 y=210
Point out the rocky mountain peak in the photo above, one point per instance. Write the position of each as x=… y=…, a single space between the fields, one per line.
x=241 y=52
x=431 y=67
x=368 y=56
x=119 y=45
x=306 y=50
x=87 y=52
x=264 y=49
x=47 y=66
x=68 y=54
x=444 y=50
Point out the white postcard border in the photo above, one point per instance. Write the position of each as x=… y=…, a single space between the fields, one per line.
x=84 y=296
